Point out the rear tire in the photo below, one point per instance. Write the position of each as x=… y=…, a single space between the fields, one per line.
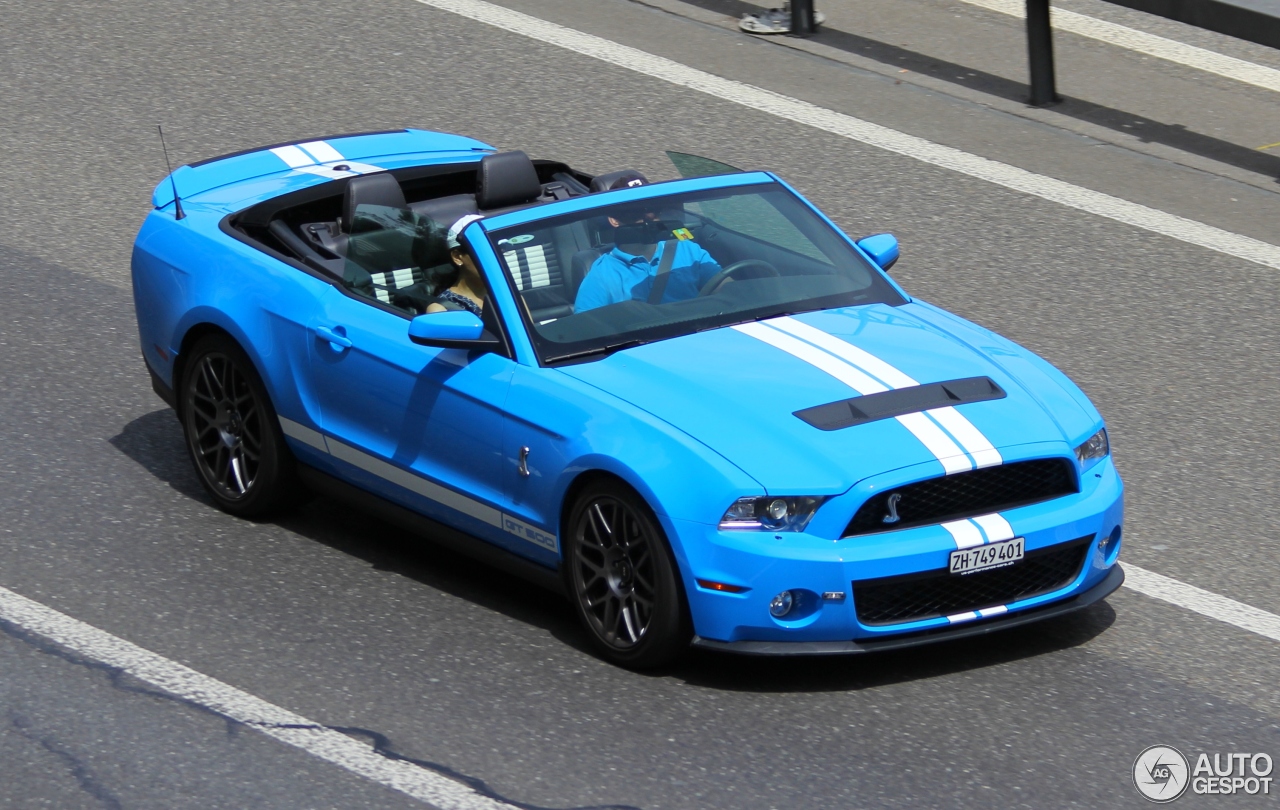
x=623 y=579
x=232 y=433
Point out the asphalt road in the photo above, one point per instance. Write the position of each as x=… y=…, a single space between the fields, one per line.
x=361 y=627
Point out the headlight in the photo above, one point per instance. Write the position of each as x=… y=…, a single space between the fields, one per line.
x=1095 y=448
x=773 y=514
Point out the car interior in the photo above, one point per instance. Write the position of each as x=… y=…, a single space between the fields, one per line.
x=383 y=237
x=401 y=262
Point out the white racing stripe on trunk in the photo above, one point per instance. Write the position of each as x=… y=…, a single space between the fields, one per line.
x=208 y=693
x=964 y=532
x=325 y=171
x=995 y=527
x=321 y=159
x=321 y=151
x=961 y=429
x=349 y=168
x=768 y=102
x=292 y=156
x=930 y=435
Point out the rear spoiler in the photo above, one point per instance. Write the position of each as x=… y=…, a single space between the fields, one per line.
x=316 y=155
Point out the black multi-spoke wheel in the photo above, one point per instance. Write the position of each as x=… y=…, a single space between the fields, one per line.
x=232 y=431
x=623 y=579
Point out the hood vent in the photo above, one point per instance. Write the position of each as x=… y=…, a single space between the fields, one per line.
x=898 y=402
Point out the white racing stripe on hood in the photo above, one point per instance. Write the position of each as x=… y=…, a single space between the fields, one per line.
x=938 y=443
x=970 y=438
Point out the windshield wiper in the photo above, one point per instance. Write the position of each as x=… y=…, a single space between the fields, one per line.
x=600 y=350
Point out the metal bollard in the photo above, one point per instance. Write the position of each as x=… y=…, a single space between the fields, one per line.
x=802 y=17
x=1040 y=51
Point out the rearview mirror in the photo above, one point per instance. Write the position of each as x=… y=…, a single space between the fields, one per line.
x=882 y=248
x=450 y=330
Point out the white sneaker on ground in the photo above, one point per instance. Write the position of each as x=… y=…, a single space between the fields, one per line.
x=774 y=21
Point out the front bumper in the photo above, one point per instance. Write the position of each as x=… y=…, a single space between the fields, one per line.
x=822 y=573
x=1097 y=593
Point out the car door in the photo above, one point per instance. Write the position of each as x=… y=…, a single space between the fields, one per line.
x=416 y=424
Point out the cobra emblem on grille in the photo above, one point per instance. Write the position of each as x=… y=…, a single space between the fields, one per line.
x=893 y=516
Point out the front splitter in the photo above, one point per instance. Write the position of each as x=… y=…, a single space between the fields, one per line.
x=1098 y=592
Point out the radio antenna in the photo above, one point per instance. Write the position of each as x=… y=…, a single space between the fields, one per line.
x=178 y=213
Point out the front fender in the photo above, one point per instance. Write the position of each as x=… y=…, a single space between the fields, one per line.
x=571 y=428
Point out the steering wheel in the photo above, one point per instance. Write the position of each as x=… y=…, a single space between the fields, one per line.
x=717 y=281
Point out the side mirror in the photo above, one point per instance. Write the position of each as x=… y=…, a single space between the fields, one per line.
x=450 y=330
x=882 y=248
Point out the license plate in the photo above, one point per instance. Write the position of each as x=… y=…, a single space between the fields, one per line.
x=986 y=557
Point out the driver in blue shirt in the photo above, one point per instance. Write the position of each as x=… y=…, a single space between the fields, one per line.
x=630 y=270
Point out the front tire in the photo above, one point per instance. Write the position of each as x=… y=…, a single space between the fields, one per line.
x=232 y=433
x=623 y=580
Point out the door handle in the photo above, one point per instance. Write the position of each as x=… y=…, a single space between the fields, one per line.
x=325 y=333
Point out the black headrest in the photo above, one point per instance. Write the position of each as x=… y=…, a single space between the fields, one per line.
x=506 y=179
x=370 y=189
x=620 y=179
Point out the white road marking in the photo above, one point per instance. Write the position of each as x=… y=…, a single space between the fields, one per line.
x=1094 y=202
x=412 y=780
x=1132 y=39
x=1206 y=603
x=242 y=707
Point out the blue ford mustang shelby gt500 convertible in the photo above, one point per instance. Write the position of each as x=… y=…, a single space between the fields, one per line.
x=695 y=407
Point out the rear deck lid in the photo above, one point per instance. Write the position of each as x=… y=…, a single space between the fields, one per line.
x=313 y=160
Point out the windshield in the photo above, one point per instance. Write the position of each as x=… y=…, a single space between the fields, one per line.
x=597 y=281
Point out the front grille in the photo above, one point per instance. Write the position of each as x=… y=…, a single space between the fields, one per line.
x=976 y=492
x=927 y=595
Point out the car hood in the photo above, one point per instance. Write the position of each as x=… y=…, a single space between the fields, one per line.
x=738 y=393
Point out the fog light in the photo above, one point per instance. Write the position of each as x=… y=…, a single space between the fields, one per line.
x=781 y=604
x=1109 y=546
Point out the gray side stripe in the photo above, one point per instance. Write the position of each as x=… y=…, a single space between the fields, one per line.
x=416 y=483
x=304 y=434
